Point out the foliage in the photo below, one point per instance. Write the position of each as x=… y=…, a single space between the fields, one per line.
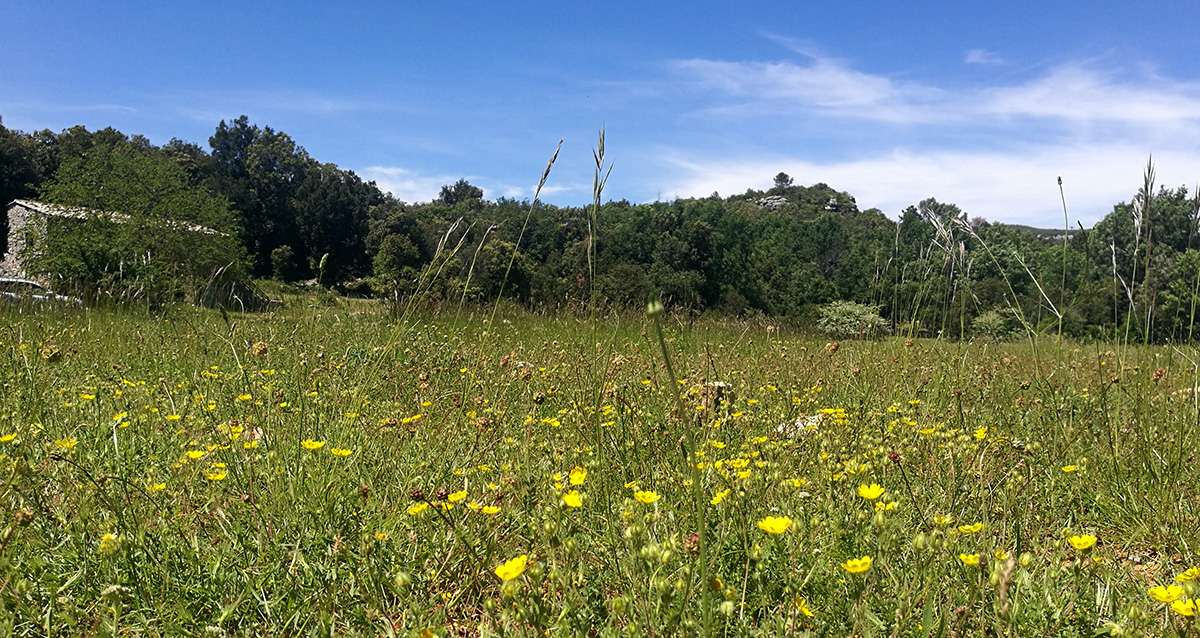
x=991 y=324
x=167 y=242
x=932 y=271
x=850 y=320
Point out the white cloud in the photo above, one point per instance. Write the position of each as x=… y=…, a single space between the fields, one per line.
x=406 y=185
x=825 y=86
x=982 y=56
x=1017 y=185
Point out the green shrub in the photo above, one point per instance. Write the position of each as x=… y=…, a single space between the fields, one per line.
x=850 y=320
x=992 y=325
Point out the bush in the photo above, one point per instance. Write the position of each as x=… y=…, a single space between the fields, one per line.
x=283 y=263
x=992 y=325
x=850 y=320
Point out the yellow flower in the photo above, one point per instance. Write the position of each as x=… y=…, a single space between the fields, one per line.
x=68 y=443
x=1184 y=607
x=490 y=510
x=1082 y=542
x=87 y=396
x=8 y=438
x=981 y=433
x=775 y=525
x=1166 y=593
x=1190 y=574
x=173 y=417
x=340 y=451
x=244 y=397
x=970 y=560
x=802 y=605
x=512 y=568
x=578 y=475
x=457 y=497
x=720 y=497
x=381 y=536
x=871 y=492
x=250 y=445
x=973 y=528
x=1000 y=555
x=312 y=444
x=109 y=543
x=216 y=474
x=196 y=455
x=1069 y=469
x=645 y=496
x=942 y=520
x=573 y=499
x=417 y=508
x=157 y=487
x=857 y=565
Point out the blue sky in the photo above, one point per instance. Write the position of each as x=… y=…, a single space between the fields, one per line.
x=980 y=105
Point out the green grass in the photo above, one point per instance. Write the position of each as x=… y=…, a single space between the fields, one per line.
x=285 y=540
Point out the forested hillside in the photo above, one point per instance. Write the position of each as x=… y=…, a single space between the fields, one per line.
x=780 y=252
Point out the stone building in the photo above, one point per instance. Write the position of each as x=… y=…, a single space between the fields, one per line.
x=29 y=220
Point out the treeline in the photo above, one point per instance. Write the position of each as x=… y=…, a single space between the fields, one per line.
x=782 y=252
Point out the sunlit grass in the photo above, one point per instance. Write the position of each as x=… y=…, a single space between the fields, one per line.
x=325 y=470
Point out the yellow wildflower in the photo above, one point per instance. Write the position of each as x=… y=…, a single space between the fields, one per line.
x=1185 y=607
x=67 y=443
x=645 y=496
x=109 y=543
x=973 y=528
x=1166 y=593
x=871 y=492
x=340 y=451
x=578 y=475
x=490 y=510
x=512 y=568
x=457 y=497
x=1082 y=542
x=417 y=508
x=1190 y=574
x=775 y=525
x=970 y=560
x=312 y=444
x=573 y=499
x=720 y=497
x=857 y=565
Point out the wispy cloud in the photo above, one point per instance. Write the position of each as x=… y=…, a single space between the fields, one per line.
x=982 y=56
x=830 y=87
x=405 y=184
x=410 y=185
x=1017 y=184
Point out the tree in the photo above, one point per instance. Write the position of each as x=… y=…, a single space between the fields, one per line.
x=460 y=192
x=396 y=265
x=157 y=238
x=782 y=181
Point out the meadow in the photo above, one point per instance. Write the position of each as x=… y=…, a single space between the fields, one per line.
x=329 y=469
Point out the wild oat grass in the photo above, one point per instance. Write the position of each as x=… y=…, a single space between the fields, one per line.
x=326 y=470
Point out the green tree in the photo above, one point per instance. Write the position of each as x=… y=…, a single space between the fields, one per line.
x=157 y=238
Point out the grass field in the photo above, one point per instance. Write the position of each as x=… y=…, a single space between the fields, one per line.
x=326 y=470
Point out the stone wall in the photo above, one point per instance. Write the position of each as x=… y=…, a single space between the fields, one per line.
x=23 y=223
